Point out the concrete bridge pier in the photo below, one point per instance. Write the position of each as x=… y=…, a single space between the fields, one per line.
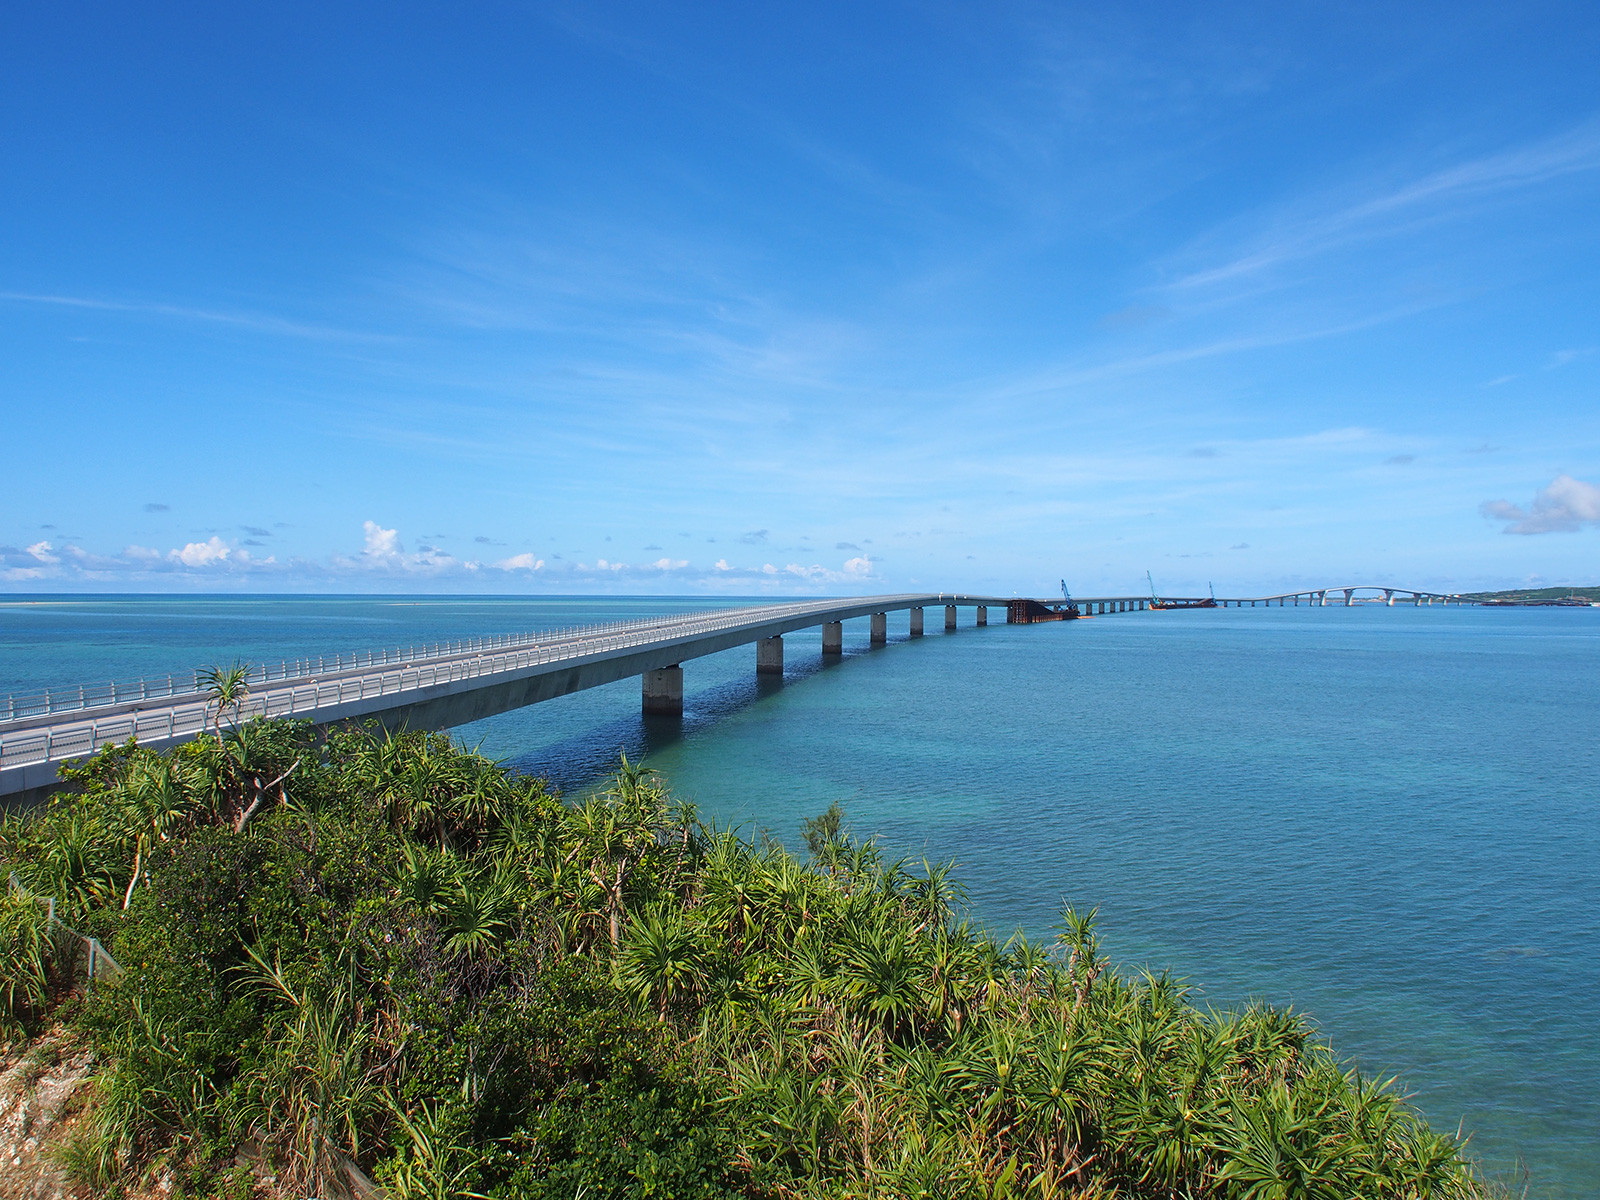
x=833 y=637
x=880 y=628
x=1347 y=594
x=1388 y=597
x=949 y=617
x=663 y=692
x=916 y=622
x=983 y=615
x=769 y=656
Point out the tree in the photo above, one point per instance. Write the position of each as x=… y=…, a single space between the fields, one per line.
x=225 y=687
x=824 y=832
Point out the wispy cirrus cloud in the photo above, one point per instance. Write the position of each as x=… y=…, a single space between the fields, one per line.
x=253 y=322
x=1433 y=197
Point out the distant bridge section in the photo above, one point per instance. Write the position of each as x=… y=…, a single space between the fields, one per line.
x=1318 y=597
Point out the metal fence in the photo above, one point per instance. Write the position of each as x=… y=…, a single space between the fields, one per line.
x=290 y=698
x=79 y=955
x=78 y=697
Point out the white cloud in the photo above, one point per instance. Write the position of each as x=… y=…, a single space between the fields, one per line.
x=722 y=565
x=41 y=551
x=670 y=564
x=858 y=566
x=202 y=554
x=769 y=569
x=142 y=554
x=520 y=562
x=381 y=542
x=1564 y=506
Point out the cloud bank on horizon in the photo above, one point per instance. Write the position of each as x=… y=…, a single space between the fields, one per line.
x=384 y=562
x=820 y=300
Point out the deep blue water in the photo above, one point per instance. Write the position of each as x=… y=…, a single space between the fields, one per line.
x=1385 y=817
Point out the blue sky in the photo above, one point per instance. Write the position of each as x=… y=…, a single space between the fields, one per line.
x=811 y=298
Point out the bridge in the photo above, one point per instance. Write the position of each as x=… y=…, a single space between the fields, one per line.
x=440 y=686
x=1316 y=597
x=453 y=683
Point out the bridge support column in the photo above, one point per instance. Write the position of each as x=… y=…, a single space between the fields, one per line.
x=833 y=637
x=1388 y=597
x=983 y=615
x=916 y=622
x=949 y=617
x=769 y=656
x=880 y=628
x=1416 y=601
x=1347 y=594
x=663 y=692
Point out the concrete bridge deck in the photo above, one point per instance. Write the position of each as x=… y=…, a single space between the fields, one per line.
x=455 y=686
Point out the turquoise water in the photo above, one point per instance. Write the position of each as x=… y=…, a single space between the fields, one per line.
x=1385 y=817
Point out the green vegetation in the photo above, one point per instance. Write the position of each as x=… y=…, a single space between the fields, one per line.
x=1549 y=593
x=382 y=953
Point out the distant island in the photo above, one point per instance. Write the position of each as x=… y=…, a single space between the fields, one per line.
x=1549 y=595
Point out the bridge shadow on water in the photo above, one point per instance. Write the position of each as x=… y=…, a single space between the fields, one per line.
x=579 y=763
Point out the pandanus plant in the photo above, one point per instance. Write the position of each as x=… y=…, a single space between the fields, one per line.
x=226 y=689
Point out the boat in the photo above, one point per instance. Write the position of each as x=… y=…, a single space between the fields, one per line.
x=1160 y=605
x=1069 y=611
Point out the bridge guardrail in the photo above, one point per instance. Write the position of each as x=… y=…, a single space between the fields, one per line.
x=179 y=720
x=81 y=697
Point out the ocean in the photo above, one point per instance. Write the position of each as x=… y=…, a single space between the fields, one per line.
x=1386 y=818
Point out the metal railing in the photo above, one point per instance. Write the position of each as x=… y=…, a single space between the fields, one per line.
x=110 y=693
x=178 y=719
x=91 y=958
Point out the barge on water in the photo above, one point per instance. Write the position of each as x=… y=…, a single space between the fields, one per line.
x=1159 y=605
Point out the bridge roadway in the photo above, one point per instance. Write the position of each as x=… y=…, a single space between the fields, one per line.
x=455 y=686
x=461 y=682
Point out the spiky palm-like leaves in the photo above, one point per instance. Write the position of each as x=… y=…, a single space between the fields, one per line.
x=226 y=689
x=860 y=1036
